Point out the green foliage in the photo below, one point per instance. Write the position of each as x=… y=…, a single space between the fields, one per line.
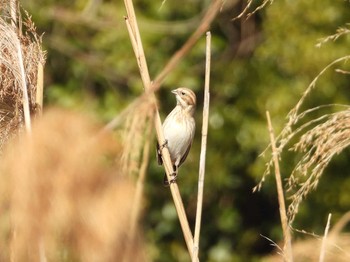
x=264 y=63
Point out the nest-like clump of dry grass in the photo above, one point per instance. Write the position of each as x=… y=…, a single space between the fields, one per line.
x=63 y=196
x=20 y=46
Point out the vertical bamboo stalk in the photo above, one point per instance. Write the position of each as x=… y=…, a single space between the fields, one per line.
x=287 y=248
x=203 y=148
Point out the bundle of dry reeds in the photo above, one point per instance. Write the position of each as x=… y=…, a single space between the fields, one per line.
x=21 y=63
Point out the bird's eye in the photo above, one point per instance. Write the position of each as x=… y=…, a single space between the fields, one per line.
x=183 y=93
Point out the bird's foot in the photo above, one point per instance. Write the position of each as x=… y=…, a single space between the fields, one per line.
x=165 y=144
x=173 y=176
x=159 y=150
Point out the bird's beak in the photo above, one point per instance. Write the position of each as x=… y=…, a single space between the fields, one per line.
x=174 y=91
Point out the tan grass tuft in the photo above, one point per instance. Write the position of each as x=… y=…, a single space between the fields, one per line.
x=62 y=194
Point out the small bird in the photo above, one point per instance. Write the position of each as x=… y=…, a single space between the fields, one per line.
x=179 y=127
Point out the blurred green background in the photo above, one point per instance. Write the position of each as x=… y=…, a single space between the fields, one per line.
x=258 y=64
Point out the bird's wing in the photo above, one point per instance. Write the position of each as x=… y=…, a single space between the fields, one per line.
x=183 y=158
x=159 y=155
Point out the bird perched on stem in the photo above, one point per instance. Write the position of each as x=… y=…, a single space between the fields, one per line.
x=179 y=127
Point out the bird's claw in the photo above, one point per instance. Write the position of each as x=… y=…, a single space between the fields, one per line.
x=165 y=144
x=174 y=177
x=167 y=182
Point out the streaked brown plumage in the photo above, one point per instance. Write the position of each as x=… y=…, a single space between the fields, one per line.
x=179 y=128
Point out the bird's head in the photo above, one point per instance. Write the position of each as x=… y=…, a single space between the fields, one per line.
x=186 y=98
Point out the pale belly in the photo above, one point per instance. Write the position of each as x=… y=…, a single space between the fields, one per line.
x=178 y=140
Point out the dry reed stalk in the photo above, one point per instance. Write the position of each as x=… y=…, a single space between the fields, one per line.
x=141 y=60
x=203 y=147
x=40 y=87
x=324 y=239
x=23 y=83
x=287 y=247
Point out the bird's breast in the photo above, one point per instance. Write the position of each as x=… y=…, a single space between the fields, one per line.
x=179 y=134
